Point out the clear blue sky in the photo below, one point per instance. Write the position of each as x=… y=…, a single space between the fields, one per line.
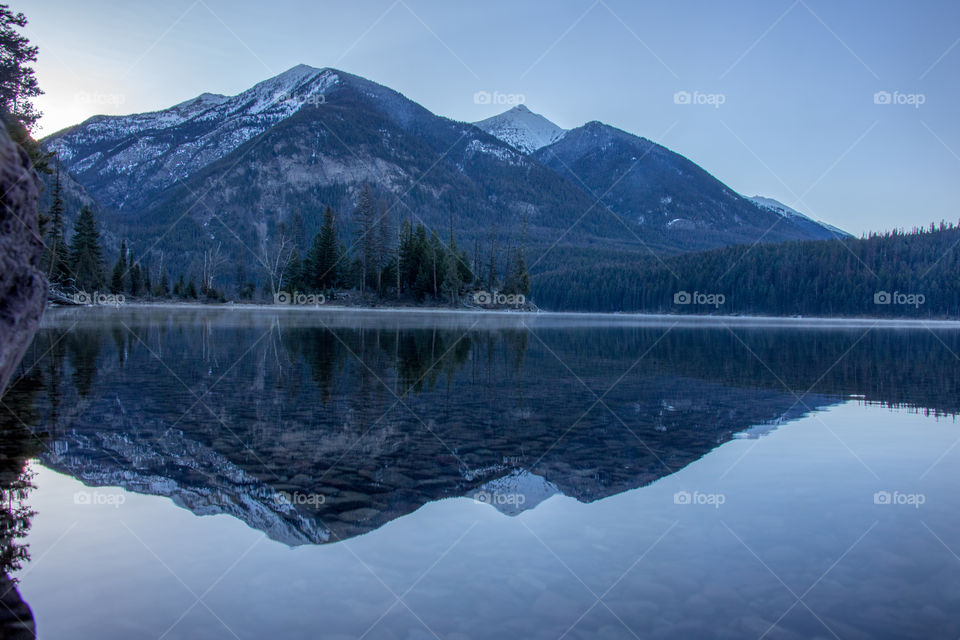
x=798 y=120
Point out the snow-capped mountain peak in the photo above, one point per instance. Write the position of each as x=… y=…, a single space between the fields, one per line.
x=173 y=143
x=522 y=129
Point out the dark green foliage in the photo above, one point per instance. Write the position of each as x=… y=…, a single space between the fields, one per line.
x=86 y=256
x=294 y=278
x=55 y=252
x=518 y=278
x=18 y=81
x=323 y=260
x=163 y=289
x=180 y=288
x=134 y=277
x=119 y=270
x=813 y=278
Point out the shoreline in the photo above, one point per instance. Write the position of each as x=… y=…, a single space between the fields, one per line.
x=607 y=317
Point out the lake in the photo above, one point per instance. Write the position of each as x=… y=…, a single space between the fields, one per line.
x=300 y=473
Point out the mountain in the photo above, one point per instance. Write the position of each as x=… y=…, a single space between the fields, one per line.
x=796 y=217
x=125 y=161
x=234 y=174
x=661 y=194
x=522 y=129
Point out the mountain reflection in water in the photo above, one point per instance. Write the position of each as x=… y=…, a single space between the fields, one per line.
x=316 y=427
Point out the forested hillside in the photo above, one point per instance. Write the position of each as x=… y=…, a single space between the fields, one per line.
x=914 y=274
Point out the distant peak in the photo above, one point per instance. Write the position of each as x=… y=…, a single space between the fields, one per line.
x=300 y=68
x=522 y=129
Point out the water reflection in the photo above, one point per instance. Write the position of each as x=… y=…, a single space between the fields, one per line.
x=17 y=445
x=316 y=427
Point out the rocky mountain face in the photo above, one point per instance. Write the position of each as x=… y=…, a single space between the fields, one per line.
x=236 y=170
x=23 y=287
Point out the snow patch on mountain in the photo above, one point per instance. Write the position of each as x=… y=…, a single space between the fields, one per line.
x=176 y=142
x=777 y=207
x=522 y=129
x=792 y=214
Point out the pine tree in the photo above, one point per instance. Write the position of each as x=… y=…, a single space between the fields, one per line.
x=365 y=219
x=86 y=256
x=451 y=279
x=164 y=289
x=438 y=263
x=383 y=254
x=135 y=278
x=147 y=284
x=119 y=270
x=18 y=82
x=295 y=270
x=55 y=254
x=180 y=288
x=518 y=279
x=407 y=254
x=323 y=259
x=191 y=291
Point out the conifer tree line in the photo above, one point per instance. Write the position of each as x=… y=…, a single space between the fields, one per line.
x=395 y=260
x=383 y=261
x=808 y=278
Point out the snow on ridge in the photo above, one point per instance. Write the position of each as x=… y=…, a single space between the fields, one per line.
x=199 y=130
x=777 y=207
x=522 y=129
x=783 y=210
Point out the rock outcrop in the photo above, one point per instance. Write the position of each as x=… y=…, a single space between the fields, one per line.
x=23 y=293
x=23 y=288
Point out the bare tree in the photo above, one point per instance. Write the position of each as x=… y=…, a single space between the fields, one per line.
x=276 y=259
x=212 y=261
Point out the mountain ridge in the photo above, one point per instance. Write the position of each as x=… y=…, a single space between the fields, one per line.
x=309 y=138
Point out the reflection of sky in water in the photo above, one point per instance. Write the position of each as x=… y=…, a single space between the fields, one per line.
x=798 y=508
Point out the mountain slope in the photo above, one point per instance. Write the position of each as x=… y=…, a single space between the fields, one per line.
x=795 y=216
x=660 y=194
x=235 y=173
x=124 y=161
x=522 y=129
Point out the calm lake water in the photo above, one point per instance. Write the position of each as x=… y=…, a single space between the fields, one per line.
x=218 y=473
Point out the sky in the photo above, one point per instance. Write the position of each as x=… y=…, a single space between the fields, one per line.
x=845 y=111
